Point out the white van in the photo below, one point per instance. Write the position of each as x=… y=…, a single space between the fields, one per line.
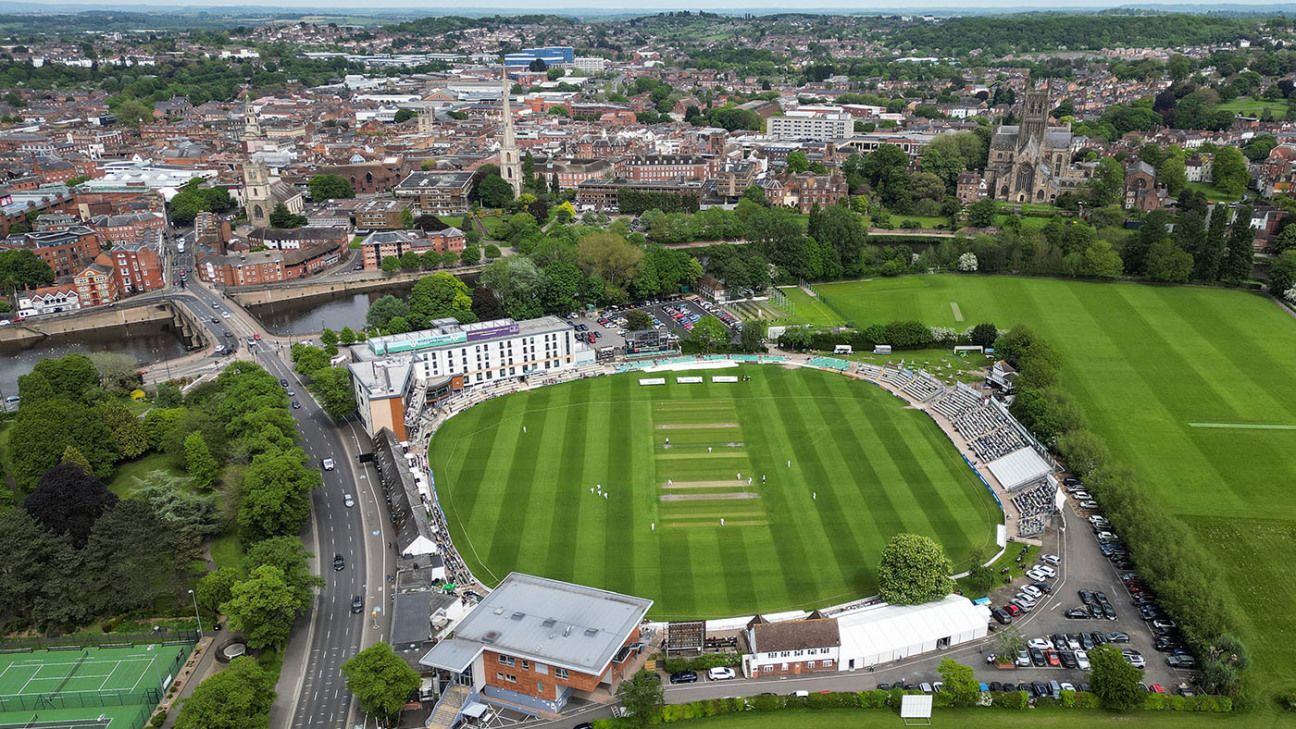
x=843 y=349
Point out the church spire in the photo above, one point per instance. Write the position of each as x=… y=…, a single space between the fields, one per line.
x=510 y=162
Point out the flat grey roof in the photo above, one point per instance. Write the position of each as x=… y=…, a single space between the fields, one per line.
x=565 y=625
x=455 y=655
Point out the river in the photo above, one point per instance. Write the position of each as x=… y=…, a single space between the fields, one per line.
x=147 y=343
x=312 y=316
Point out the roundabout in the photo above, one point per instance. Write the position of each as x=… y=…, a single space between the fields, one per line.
x=719 y=492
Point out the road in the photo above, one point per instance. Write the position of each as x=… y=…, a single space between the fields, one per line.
x=312 y=691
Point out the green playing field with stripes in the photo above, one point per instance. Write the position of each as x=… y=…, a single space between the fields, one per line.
x=811 y=473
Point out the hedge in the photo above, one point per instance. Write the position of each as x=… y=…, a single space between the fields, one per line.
x=1007 y=700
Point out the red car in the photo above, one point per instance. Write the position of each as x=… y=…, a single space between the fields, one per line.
x=1013 y=610
x=1052 y=658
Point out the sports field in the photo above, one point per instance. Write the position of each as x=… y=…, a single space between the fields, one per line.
x=862 y=468
x=1194 y=388
x=87 y=684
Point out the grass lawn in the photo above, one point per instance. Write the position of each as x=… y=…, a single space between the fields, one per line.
x=1017 y=558
x=1211 y=192
x=455 y=221
x=926 y=221
x=1028 y=222
x=522 y=501
x=809 y=310
x=1192 y=387
x=227 y=550
x=6 y=460
x=494 y=225
x=983 y=719
x=1248 y=106
x=154 y=469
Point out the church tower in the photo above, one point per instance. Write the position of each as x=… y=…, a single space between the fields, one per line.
x=252 y=135
x=426 y=121
x=256 y=194
x=510 y=162
x=1035 y=111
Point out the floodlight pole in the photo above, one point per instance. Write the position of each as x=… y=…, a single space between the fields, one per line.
x=197 y=616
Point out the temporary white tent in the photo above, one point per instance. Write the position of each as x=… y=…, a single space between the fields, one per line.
x=880 y=634
x=1019 y=468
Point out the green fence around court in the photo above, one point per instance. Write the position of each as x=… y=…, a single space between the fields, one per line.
x=149 y=682
x=105 y=640
x=148 y=697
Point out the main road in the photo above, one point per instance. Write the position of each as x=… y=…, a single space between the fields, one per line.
x=312 y=691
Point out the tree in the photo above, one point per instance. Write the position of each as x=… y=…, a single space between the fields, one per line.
x=641 y=696
x=1229 y=171
x=638 y=320
x=609 y=257
x=960 y=683
x=494 y=192
x=69 y=501
x=438 y=296
x=73 y=376
x=133 y=558
x=516 y=283
x=1108 y=182
x=199 y=463
x=1282 y=273
x=215 y=588
x=385 y=309
x=797 y=161
x=238 y=697
x=486 y=306
x=1241 y=248
x=37 y=574
x=1168 y=263
x=332 y=385
x=968 y=263
x=1171 y=170
x=281 y=217
x=913 y=570
x=276 y=495
x=118 y=372
x=289 y=555
x=390 y=264
x=73 y=455
x=125 y=430
x=980 y=577
x=1117 y=684
x=263 y=607
x=380 y=680
x=984 y=334
x=330 y=187
x=22 y=269
x=709 y=335
x=948 y=155
x=1082 y=451
x=980 y=214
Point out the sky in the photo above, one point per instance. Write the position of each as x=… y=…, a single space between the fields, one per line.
x=449 y=7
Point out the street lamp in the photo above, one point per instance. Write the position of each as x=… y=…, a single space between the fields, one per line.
x=196 y=615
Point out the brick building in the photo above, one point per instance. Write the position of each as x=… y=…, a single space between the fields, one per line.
x=655 y=167
x=65 y=251
x=806 y=190
x=393 y=243
x=97 y=283
x=538 y=643
x=791 y=648
x=382 y=214
x=138 y=266
x=129 y=227
x=437 y=193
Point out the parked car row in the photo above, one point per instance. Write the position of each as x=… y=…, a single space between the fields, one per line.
x=1031 y=594
x=719 y=312
x=683 y=317
x=719 y=673
x=1167 y=638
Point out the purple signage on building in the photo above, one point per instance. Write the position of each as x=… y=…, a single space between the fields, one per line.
x=500 y=330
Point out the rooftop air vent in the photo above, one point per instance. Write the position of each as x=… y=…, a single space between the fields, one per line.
x=591 y=632
x=517 y=616
x=549 y=622
x=491 y=636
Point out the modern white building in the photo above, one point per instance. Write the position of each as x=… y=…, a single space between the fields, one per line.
x=403 y=371
x=822 y=127
x=49 y=300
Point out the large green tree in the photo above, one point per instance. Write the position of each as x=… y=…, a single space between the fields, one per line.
x=68 y=501
x=494 y=192
x=1108 y=183
x=201 y=466
x=127 y=431
x=134 y=559
x=276 y=495
x=290 y=556
x=22 y=269
x=39 y=576
x=330 y=187
x=1241 y=248
x=238 y=697
x=1168 y=263
x=216 y=588
x=913 y=570
x=440 y=295
x=1117 y=684
x=380 y=680
x=709 y=335
x=960 y=683
x=641 y=696
x=263 y=607
x=1229 y=171
x=332 y=385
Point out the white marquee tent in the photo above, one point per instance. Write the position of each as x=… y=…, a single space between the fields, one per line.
x=1019 y=468
x=880 y=634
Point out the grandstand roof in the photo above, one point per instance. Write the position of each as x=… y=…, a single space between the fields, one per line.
x=1021 y=467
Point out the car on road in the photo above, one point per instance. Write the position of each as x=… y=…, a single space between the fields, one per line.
x=296 y=404
x=357 y=604
x=684 y=677
x=721 y=673
x=291 y=392
x=215 y=320
x=225 y=315
x=339 y=563
x=348 y=501
x=283 y=382
x=215 y=304
x=256 y=337
x=328 y=464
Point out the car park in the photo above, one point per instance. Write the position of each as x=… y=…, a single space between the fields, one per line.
x=1052 y=559
x=926 y=688
x=1047 y=570
x=1134 y=658
x=1082 y=496
x=1036 y=575
x=684 y=677
x=1001 y=616
x=1039 y=689
x=1052 y=658
x=1068 y=659
x=1037 y=657
x=1013 y=610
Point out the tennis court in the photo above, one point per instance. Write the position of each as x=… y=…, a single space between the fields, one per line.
x=81 y=687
